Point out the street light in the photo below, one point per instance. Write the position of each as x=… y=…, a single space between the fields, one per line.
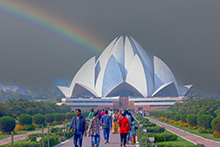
x=145 y=132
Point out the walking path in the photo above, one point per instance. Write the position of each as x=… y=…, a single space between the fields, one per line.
x=114 y=141
x=186 y=135
x=23 y=136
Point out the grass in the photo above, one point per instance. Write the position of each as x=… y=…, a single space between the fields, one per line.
x=3 y=136
x=204 y=135
x=18 y=141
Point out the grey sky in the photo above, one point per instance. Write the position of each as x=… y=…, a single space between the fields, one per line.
x=183 y=33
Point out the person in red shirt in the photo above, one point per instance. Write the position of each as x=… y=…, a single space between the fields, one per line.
x=103 y=112
x=124 y=129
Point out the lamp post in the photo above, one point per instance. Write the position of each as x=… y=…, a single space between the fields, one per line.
x=145 y=132
x=12 y=139
x=140 y=135
x=48 y=137
x=42 y=135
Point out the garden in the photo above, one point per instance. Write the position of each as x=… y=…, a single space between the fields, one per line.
x=27 y=123
x=162 y=137
x=203 y=125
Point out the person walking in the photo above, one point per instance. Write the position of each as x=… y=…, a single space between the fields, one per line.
x=128 y=116
x=103 y=112
x=124 y=129
x=91 y=114
x=94 y=130
x=107 y=120
x=115 y=122
x=78 y=126
x=133 y=132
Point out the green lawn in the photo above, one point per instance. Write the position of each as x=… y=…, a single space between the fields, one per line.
x=18 y=141
x=204 y=135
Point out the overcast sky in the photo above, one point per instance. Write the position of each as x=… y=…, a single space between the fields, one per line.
x=185 y=34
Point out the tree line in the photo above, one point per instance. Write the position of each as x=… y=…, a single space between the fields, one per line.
x=15 y=108
x=198 y=107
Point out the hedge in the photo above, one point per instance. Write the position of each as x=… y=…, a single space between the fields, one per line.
x=204 y=121
x=170 y=115
x=156 y=129
x=69 y=115
x=183 y=118
x=25 y=119
x=38 y=119
x=156 y=113
x=177 y=117
x=216 y=124
x=159 y=137
x=191 y=119
x=57 y=117
x=49 y=118
x=7 y=124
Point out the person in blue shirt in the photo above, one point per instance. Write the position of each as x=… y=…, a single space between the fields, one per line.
x=107 y=120
x=78 y=126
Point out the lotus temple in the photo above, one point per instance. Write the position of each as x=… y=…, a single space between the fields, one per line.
x=124 y=76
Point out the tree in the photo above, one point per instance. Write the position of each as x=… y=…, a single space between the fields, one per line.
x=204 y=121
x=7 y=124
x=216 y=124
x=191 y=119
x=38 y=119
x=25 y=119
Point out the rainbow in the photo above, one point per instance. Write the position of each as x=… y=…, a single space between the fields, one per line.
x=47 y=23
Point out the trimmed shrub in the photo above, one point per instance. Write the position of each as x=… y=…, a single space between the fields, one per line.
x=156 y=113
x=167 y=115
x=54 y=140
x=183 y=118
x=38 y=119
x=204 y=121
x=159 y=137
x=7 y=124
x=191 y=119
x=149 y=124
x=85 y=114
x=54 y=130
x=63 y=117
x=172 y=114
x=156 y=129
x=69 y=115
x=216 y=124
x=57 y=117
x=25 y=119
x=177 y=117
x=49 y=118
x=27 y=144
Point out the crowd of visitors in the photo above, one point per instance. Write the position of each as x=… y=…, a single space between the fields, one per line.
x=119 y=121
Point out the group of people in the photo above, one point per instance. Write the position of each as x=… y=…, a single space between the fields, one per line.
x=121 y=120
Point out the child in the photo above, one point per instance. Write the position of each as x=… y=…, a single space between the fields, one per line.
x=133 y=132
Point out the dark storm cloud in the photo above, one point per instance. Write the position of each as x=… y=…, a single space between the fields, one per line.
x=184 y=34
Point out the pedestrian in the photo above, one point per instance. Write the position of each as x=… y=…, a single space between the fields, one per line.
x=107 y=120
x=133 y=132
x=91 y=114
x=78 y=126
x=103 y=112
x=124 y=129
x=128 y=116
x=115 y=122
x=94 y=130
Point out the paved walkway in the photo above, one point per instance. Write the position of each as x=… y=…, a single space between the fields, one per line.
x=186 y=135
x=19 y=137
x=114 y=141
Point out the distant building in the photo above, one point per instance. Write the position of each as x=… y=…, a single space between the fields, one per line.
x=124 y=75
x=13 y=88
